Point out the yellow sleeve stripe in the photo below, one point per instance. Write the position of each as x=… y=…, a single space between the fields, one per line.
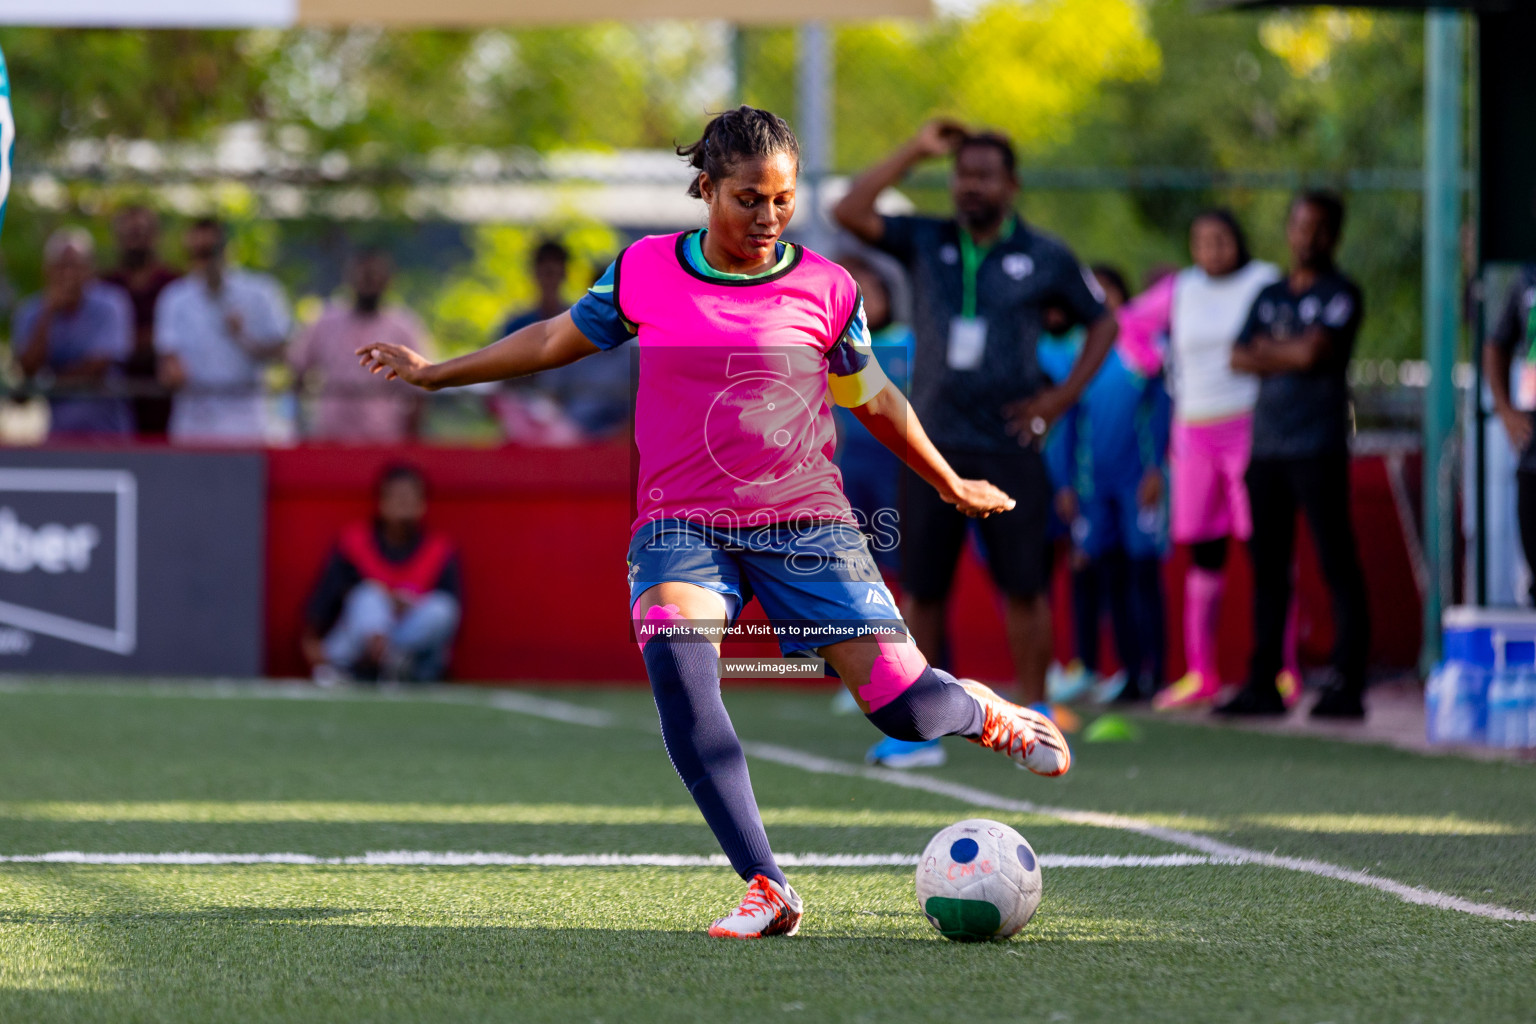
x=856 y=389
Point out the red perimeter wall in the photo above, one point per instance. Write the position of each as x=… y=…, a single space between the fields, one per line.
x=543 y=533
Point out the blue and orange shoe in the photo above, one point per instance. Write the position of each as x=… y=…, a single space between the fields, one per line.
x=767 y=909
x=1028 y=738
x=893 y=753
x=1069 y=682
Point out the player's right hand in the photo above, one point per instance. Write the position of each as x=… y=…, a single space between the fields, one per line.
x=977 y=498
x=397 y=362
x=940 y=137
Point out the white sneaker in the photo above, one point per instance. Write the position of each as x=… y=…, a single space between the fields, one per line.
x=1030 y=739
x=766 y=909
x=326 y=675
x=1110 y=688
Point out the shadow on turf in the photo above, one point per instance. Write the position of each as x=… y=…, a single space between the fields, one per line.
x=509 y=936
x=249 y=915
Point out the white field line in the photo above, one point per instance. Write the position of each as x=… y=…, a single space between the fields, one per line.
x=563 y=711
x=428 y=858
x=1212 y=847
x=559 y=710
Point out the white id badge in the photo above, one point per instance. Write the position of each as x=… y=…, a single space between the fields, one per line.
x=967 y=342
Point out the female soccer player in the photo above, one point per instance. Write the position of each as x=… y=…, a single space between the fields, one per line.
x=1202 y=308
x=743 y=340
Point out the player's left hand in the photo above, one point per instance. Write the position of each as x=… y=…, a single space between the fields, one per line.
x=1031 y=418
x=397 y=362
x=977 y=498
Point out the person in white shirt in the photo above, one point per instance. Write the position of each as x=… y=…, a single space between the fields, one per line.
x=214 y=329
x=1202 y=309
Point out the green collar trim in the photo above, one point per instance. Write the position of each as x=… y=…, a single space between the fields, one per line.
x=693 y=251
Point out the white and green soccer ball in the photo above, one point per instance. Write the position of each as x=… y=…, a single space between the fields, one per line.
x=978 y=880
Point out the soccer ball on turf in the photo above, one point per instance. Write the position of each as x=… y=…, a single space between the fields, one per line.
x=977 y=880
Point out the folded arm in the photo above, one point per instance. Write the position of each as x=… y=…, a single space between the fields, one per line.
x=1265 y=354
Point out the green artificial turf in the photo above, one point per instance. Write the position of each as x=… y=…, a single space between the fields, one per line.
x=103 y=769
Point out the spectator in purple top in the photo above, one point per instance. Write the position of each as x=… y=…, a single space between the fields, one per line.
x=74 y=338
x=141 y=273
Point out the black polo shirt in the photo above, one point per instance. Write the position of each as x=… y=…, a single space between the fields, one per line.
x=1515 y=333
x=1305 y=413
x=1022 y=274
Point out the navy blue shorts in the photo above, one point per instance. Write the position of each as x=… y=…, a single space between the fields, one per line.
x=816 y=581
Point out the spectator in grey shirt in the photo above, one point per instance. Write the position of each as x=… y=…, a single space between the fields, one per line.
x=75 y=337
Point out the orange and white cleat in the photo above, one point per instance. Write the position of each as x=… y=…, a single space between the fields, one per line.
x=1030 y=739
x=1289 y=686
x=1193 y=691
x=766 y=909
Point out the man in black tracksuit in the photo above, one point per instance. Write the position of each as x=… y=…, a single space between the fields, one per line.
x=1298 y=339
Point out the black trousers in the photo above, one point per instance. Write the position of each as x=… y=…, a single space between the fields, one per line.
x=1318 y=487
x=1525 y=510
x=934 y=533
x=1133 y=590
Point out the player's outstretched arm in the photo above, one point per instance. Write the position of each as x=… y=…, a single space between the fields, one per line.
x=889 y=417
x=541 y=346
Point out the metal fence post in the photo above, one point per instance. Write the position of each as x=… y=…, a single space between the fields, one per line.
x=813 y=109
x=1445 y=74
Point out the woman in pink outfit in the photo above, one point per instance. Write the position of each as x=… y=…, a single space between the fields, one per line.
x=1202 y=309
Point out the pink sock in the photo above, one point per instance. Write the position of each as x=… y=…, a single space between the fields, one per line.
x=1202 y=609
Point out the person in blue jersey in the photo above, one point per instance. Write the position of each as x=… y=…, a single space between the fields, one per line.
x=1115 y=444
x=1059 y=347
x=872 y=480
x=871 y=472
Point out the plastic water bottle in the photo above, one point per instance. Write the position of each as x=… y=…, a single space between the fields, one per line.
x=1455 y=703
x=1510 y=694
x=1525 y=710
x=1506 y=710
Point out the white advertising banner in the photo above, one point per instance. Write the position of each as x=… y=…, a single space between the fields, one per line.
x=150 y=13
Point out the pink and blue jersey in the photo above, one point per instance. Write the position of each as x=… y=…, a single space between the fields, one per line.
x=737 y=378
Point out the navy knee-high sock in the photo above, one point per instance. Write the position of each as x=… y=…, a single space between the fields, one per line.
x=933 y=706
x=702 y=743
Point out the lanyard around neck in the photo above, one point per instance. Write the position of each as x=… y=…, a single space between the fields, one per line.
x=971 y=256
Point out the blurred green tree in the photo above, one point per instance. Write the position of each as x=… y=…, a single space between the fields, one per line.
x=1118 y=84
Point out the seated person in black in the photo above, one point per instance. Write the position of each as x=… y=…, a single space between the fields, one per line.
x=387 y=604
x=1298 y=339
